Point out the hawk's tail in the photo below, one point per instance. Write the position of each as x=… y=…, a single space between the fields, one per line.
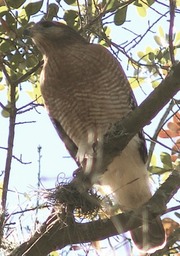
x=149 y=237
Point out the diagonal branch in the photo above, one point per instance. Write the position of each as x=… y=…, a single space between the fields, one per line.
x=123 y=131
x=56 y=234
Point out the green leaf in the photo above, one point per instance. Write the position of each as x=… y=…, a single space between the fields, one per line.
x=5 y=46
x=142 y=7
x=70 y=17
x=153 y=160
x=166 y=160
x=177 y=2
x=150 y=2
x=142 y=11
x=52 y=11
x=158 y=40
x=155 y=84
x=54 y=253
x=15 y=60
x=3 y=10
x=120 y=16
x=149 y=49
x=70 y=2
x=161 y=32
x=24 y=18
x=6 y=111
x=145 y=55
x=177 y=214
x=140 y=54
x=156 y=170
x=15 y=3
x=11 y=21
x=111 y=5
x=2 y=87
x=35 y=94
x=137 y=3
x=151 y=56
x=136 y=82
x=31 y=61
x=33 y=7
x=177 y=38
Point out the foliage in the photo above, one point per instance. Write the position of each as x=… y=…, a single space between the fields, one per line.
x=150 y=55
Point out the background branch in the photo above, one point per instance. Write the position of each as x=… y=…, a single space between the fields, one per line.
x=172 y=5
x=12 y=119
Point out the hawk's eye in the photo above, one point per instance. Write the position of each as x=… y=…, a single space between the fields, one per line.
x=47 y=24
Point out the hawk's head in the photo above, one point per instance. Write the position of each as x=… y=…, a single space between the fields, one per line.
x=47 y=34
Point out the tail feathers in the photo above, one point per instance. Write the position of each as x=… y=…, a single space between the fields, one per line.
x=149 y=237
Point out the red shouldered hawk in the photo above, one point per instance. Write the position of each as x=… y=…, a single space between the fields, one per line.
x=85 y=89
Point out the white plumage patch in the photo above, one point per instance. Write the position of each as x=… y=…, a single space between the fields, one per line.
x=127 y=177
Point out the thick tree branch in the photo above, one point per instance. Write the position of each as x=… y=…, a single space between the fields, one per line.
x=56 y=233
x=123 y=131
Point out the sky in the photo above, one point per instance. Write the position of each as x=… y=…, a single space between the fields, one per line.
x=55 y=161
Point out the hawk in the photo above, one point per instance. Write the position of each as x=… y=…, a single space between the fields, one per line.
x=86 y=90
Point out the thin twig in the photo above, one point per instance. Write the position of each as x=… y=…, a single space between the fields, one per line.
x=10 y=138
x=159 y=127
x=27 y=74
x=158 y=142
x=30 y=209
x=26 y=122
x=16 y=158
x=172 y=209
x=143 y=35
x=172 y=6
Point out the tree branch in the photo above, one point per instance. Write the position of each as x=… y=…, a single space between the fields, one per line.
x=12 y=120
x=123 y=131
x=172 y=5
x=55 y=233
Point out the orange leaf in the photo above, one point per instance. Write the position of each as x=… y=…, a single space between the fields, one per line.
x=173 y=127
x=2 y=3
x=96 y=245
x=169 y=225
x=176 y=145
x=173 y=158
x=163 y=134
x=167 y=134
x=176 y=118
